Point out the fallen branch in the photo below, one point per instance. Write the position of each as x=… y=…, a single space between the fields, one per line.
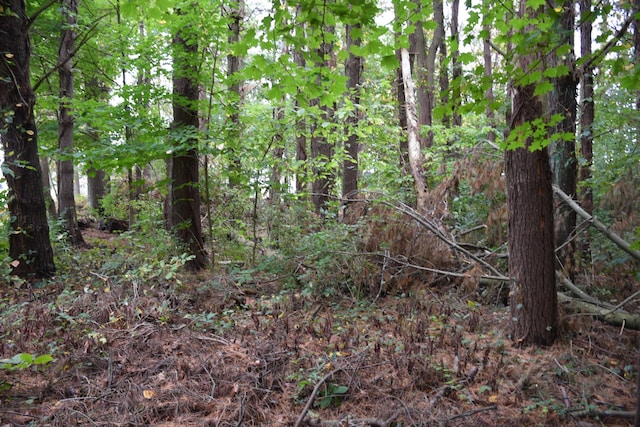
x=584 y=296
x=619 y=241
x=594 y=413
x=604 y=314
x=473 y=412
x=312 y=398
x=407 y=210
x=371 y=422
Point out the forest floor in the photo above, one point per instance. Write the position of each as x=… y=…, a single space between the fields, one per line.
x=206 y=351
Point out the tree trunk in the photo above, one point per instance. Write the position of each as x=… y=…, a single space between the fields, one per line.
x=301 y=125
x=97 y=179
x=235 y=17
x=564 y=164
x=587 y=117
x=488 y=73
x=96 y=188
x=426 y=61
x=353 y=70
x=29 y=244
x=401 y=97
x=275 y=186
x=185 y=189
x=66 y=197
x=321 y=148
x=530 y=204
x=46 y=186
x=456 y=73
x=416 y=159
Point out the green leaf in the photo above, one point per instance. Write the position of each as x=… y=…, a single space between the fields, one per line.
x=542 y=88
x=389 y=62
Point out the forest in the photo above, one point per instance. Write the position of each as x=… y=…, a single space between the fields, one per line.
x=320 y=213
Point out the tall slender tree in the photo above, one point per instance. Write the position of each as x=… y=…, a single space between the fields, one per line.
x=235 y=15
x=66 y=196
x=353 y=71
x=29 y=244
x=534 y=308
x=564 y=164
x=185 y=189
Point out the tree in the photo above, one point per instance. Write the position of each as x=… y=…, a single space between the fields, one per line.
x=321 y=148
x=353 y=71
x=416 y=158
x=66 y=197
x=235 y=15
x=533 y=302
x=29 y=244
x=185 y=188
x=564 y=164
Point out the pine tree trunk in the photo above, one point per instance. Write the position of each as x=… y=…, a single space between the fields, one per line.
x=353 y=70
x=29 y=244
x=534 y=306
x=185 y=188
x=66 y=187
x=564 y=164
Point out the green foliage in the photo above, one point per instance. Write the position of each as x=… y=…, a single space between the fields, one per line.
x=22 y=361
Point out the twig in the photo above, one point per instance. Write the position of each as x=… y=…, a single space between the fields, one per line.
x=602 y=414
x=312 y=398
x=473 y=412
x=405 y=209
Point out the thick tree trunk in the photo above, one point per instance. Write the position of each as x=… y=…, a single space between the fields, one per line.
x=534 y=306
x=353 y=70
x=29 y=244
x=564 y=164
x=185 y=189
x=66 y=187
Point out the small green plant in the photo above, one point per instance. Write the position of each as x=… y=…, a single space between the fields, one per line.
x=333 y=395
x=22 y=361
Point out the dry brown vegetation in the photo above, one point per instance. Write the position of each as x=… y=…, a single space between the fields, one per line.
x=205 y=350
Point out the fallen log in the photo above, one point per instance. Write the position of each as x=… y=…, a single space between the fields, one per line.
x=616 y=318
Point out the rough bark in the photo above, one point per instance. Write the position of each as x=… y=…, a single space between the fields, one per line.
x=66 y=120
x=416 y=159
x=29 y=244
x=353 y=71
x=530 y=204
x=564 y=164
x=185 y=189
